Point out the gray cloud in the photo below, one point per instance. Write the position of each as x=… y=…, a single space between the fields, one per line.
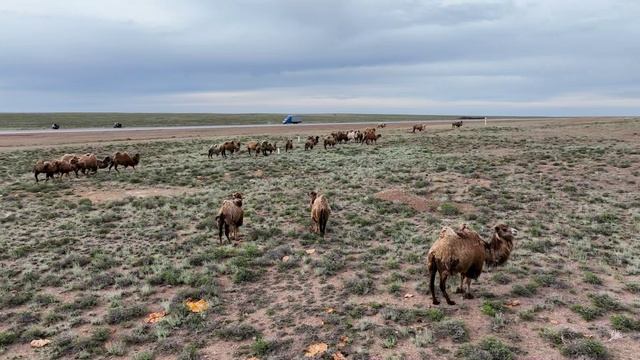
x=447 y=56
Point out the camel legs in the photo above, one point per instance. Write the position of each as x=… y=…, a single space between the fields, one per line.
x=468 y=295
x=235 y=233
x=226 y=232
x=460 y=288
x=443 y=287
x=432 y=280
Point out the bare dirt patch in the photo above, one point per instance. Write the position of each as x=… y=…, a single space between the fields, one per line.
x=400 y=196
x=101 y=196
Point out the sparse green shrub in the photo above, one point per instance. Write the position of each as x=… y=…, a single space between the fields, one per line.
x=591 y=278
x=144 y=355
x=15 y=299
x=491 y=308
x=243 y=274
x=527 y=290
x=261 y=347
x=122 y=314
x=501 y=278
x=587 y=313
x=189 y=352
x=589 y=348
x=538 y=246
x=7 y=338
x=632 y=287
x=605 y=302
x=574 y=344
x=449 y=209
x=33 y=333
x=527 y=315
x=455 y=329
x=82 y=302
x=330 y=264
x=411 y=316
x=359 y=286
x=624 y=323
x=423 y=338
x=237 y=332
x=489 y=348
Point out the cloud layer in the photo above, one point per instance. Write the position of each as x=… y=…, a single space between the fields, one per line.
x=520 y=57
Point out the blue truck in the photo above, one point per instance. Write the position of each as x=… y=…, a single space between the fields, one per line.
x=291 y=119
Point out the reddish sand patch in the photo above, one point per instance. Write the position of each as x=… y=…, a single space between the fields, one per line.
x=400 y=196
x=100 y=196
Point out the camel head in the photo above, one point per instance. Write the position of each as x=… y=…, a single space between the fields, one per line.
x=313 y=196
x=498 y=249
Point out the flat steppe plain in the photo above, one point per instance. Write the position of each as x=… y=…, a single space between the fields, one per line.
x=83 y=261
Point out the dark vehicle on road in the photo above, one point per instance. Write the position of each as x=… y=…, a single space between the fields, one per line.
x=292 y=119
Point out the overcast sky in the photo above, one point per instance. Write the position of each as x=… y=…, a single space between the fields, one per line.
x=511 y=57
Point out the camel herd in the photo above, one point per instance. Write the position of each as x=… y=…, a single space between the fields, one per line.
x=460 y=251
x=86 y=164
x=367 y=136
x=230 y=215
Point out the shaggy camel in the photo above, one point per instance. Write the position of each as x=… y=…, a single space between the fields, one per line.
x=65 y=167
x=331 y=142
x=370 y=137
x=320 y=211
x=314 y=139
x=213 y=150
x=68 y=158
x=382 y=125
x=230 y=217
x=340 y=136
x=417 y=127
x=309 y=145
x=268 y=147
x=88 y=162
x=255 y=146
x=288 y=146
x=465 y=252
x=230 y=146
x=49 y=168
x=456 y=124
x=123 y=158
x=353 y=135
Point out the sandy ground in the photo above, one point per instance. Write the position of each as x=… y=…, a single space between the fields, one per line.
x=40 y=139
